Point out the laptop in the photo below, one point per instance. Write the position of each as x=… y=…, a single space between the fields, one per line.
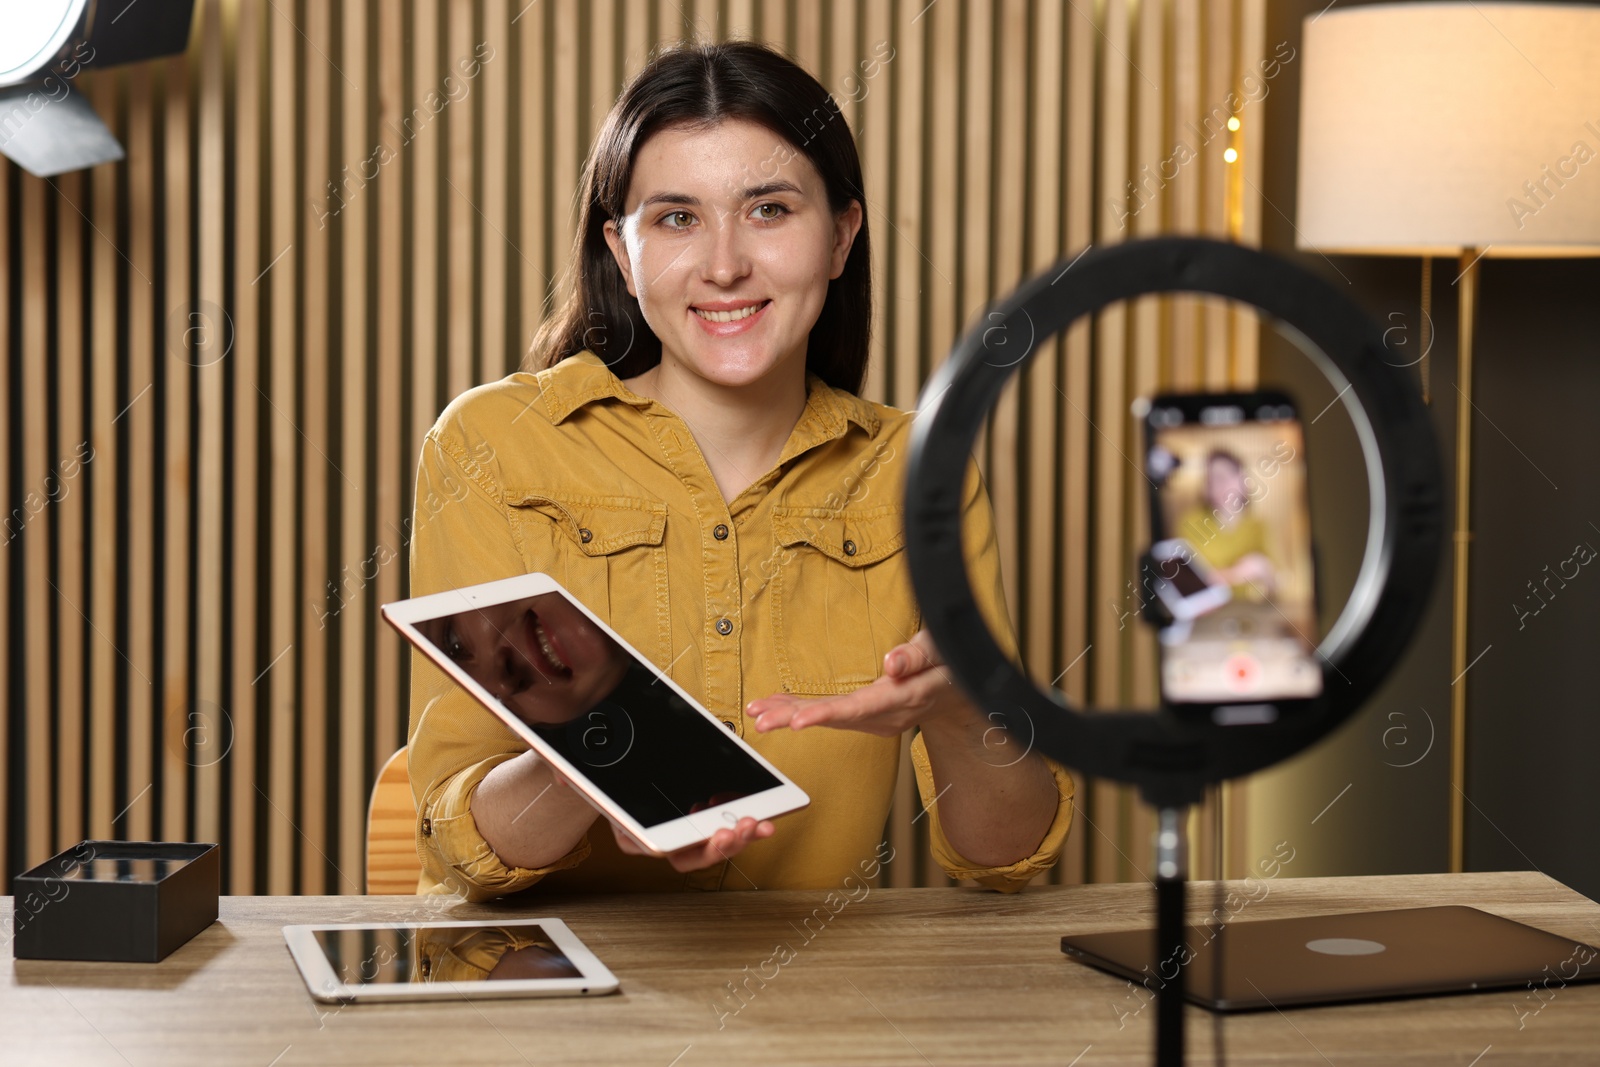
x=1323 y=959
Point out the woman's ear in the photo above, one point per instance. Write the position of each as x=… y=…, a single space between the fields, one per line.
x=619 y=252
x=846 y=224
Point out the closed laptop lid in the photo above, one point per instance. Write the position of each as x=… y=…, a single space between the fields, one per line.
x=1247 y=965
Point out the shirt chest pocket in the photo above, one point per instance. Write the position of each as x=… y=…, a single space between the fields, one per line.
x=608 y=551
x=841 y=595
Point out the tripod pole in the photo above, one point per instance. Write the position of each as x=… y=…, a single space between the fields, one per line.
x=1172 y=954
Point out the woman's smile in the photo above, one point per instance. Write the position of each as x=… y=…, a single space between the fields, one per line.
x=729 y=317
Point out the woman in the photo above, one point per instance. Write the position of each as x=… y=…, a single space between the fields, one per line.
x=1226 y=534
x=690 y=459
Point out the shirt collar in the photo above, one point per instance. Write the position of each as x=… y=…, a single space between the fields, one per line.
x=584 y=378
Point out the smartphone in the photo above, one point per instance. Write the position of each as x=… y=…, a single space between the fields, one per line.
x=1231 y=557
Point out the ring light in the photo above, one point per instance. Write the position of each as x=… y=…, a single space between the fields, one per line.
x=1172 y=757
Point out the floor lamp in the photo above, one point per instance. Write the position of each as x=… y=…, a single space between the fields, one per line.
x=1467 y=130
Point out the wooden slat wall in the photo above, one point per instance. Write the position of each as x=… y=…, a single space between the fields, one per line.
x=221 y=355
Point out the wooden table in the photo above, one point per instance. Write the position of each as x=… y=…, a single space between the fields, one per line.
x=912 y=976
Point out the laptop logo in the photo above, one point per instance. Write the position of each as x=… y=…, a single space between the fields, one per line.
x=1346 y=946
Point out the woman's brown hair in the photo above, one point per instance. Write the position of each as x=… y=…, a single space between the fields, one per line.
x=702 y=85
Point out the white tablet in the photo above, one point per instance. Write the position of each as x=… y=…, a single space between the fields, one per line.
x=418 y=961
x=637 y=746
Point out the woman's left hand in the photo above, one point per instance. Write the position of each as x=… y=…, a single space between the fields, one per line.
x=914 y=690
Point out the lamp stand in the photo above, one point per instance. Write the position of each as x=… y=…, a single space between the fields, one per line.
x=1468 y=307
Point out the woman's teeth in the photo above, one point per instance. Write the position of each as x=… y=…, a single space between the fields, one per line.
x=730 y=316
x=548 y=649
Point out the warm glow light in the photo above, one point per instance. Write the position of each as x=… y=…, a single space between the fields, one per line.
x=1233 y=123
x=1230 y=155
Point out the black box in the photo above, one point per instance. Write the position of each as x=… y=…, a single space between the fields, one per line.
x=125 y=901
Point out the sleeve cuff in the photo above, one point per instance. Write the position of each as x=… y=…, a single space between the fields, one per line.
x=455 y=855
x=1012 y=877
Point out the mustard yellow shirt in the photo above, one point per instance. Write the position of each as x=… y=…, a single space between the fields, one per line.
x=1223 y=546
x=569 y=472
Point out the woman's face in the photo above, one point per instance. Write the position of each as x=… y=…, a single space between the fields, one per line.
x=729 y=244
x=541 y=657
x=1225 y=485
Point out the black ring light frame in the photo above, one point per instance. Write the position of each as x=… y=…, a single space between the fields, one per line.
x=1172 y=757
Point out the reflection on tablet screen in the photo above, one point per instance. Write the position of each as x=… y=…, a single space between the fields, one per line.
x=389 y=956
x=603 y=710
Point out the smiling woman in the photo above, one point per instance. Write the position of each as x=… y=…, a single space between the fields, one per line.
x=687 y=454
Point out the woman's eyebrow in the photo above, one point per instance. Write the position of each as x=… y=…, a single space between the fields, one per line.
x=750 y=193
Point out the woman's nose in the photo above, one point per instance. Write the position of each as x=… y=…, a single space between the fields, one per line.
x=727 y=260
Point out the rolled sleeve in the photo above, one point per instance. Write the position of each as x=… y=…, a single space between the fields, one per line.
x=1013 y=876
x=455 y=854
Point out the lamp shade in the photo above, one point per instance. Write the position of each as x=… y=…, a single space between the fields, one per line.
x=1427 y=128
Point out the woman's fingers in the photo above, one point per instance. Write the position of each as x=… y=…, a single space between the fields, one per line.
x=912 y=657
x=724 y=844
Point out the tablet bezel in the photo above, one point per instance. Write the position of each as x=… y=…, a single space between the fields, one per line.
x=594 y=979
x=686 y=830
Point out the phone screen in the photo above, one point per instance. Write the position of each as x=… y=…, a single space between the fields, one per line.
x=606 y=712
x=1230 y=497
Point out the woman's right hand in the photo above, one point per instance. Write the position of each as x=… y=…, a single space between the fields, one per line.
x=722 y=845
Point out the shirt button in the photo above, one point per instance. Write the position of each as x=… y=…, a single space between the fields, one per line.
x=849 y=548
x=721 y=532
x=427 y=827
x=586 y=535
x=724 y=627
x=729 y=724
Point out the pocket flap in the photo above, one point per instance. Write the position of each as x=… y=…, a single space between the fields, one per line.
x=598 y=525
x=852 y=537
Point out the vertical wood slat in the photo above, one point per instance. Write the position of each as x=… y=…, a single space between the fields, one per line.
x=315 y=465
x=421 y=147
x=460 y=210
x=1151 y=91
x=566 y=130
x=178 y=469
x=391 y=467
x=35 y=540
x=144 y=700
x=354 y=576
x=900 y=219
x=208 y=723
x=495 y=351
x=71 y=363
x=1185 y=193
x=281 y=273
x=1009 y=189
x=335 y=499
x=873 y=145
x=1079 y=599
x=1250 y=140
x=1045 y=239
x=1109 y=399
x=245 y=360
x=905 y=214
x=1219 y=82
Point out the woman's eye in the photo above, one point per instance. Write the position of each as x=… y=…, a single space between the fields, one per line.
x=770 y=212
x=678 y=220
x=452 y=646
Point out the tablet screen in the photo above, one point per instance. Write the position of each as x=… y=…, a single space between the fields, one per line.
x=604 y=710
x=387 y=955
